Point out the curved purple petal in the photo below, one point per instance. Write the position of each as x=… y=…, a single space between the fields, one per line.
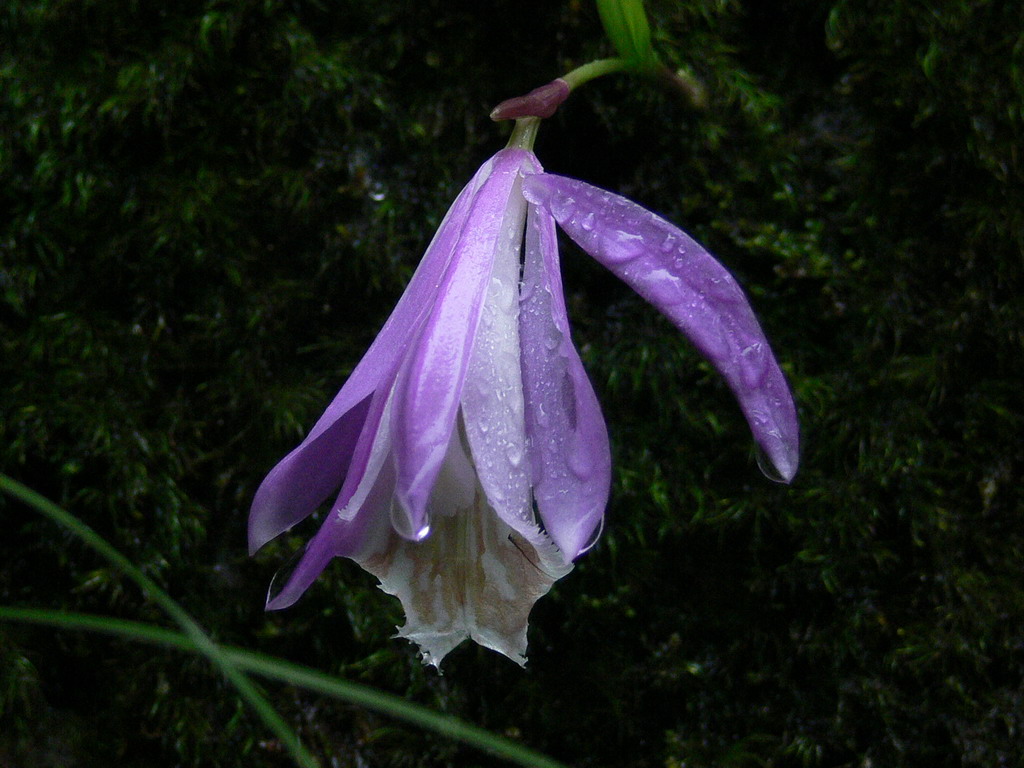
x=673 y=272
x=429 y=388
x=304 y=478
x=568 y=440
x=340 y=536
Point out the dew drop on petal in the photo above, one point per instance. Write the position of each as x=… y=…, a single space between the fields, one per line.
x=552 y=340
x=622 y=246
x=664 y=287
x=562 y=207
x=581 y=464
x=403 y=525
x=724 y=290
x=515 y=455
x=593 y=537
x=541 y=415
x=284 y=574
x=759 y=417
x=753 y=364
x=766 y=465
x=587 y=222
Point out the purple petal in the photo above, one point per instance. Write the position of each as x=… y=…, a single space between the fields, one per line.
x=569 y=452
x=360 y=516
x=673 y=272
x=309 y=474
x=340 y=536
x=429 y=388
x=305 y=477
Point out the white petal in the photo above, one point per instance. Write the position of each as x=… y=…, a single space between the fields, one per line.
x=473 y=577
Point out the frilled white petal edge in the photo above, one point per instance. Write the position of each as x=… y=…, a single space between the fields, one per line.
x=473 y=577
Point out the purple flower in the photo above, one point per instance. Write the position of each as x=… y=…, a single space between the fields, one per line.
x=467 y=449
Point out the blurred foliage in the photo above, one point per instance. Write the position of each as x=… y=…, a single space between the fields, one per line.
x=213 y=204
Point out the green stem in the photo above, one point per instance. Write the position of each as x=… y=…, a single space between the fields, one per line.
x=152 y=590
x=524 y=133
x=594 y=69
x=294 y=674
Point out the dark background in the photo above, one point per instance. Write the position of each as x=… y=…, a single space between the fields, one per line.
x=209 y=208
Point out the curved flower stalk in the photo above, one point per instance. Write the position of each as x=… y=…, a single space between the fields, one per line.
x=467 y=449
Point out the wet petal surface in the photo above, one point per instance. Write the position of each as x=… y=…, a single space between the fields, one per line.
x=429 y=388
x=308 y=475
x=568 y=440
x=679 y=277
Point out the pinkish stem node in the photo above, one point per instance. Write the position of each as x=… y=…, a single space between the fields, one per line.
x=540 y=102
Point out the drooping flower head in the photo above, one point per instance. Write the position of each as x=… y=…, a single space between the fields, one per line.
x=467 y=452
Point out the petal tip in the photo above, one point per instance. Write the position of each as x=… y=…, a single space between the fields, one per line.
x=409 y=516
x=278 y=604
x=779 y=465
x=258 y=536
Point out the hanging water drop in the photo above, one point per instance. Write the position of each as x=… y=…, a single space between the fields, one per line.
x=514 y=454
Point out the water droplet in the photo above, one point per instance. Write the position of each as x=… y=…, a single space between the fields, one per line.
x=664 y=287
x=580 y=463
x=594 y=536
x=767 y=466
x=404 y=526
x=723 y=289
x=284 y=574
x=515 y=455
x=587 y=222
x=504 y=295
x=541 y=415
x=753 y=364
x=669 y=244
x=561 y=207
x=622 y=246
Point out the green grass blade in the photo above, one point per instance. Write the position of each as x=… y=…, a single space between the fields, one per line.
x=294 y=674
x=201 y=641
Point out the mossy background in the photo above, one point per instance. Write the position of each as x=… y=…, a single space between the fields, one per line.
x=210 y=207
